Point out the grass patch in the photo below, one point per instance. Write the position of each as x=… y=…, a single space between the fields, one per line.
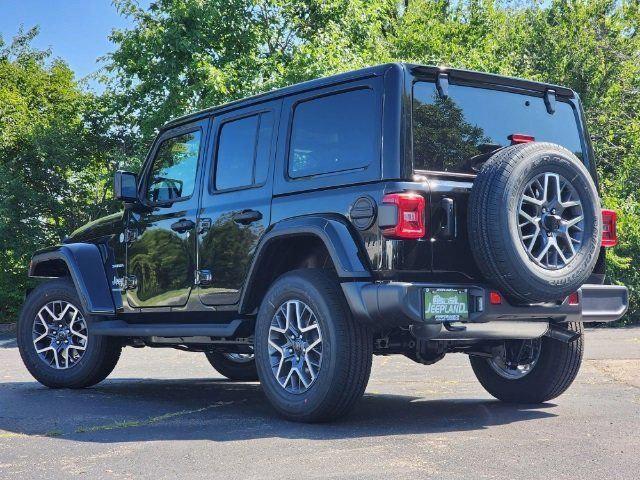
x=149 y=421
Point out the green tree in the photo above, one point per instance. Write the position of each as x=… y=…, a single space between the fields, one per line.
x=57 y=154
x=182 y=55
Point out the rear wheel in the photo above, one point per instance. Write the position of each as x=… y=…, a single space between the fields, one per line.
x=530 y=371
x=56 y=342
x=235 y=366
x=313 y=359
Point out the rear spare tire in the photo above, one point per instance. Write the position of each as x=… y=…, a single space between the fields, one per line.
x=535 y=223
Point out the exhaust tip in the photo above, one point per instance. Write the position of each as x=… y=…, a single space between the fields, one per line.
x=562 y=334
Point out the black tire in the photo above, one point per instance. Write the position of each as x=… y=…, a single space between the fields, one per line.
x=555 y=370
x=101 y=354
x=494 y=230
x=346 y=349
x=242 y=371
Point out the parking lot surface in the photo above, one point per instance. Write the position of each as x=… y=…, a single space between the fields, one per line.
x=167 y=414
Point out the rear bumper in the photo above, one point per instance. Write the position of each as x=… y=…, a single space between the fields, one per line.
x=389 y=304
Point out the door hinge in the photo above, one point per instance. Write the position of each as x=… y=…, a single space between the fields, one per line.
x=203 y=277
x=448 y=226
x=442 y=84
x=550 y=100
x=129 y=235
x=128 y=282
x=204 y=225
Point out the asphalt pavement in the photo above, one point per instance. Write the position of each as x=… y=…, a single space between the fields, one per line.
x=167 y=414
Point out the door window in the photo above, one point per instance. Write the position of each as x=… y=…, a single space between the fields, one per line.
x=243 y=151
x=173 y=174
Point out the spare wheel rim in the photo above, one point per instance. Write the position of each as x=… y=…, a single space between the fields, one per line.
x=551 y=221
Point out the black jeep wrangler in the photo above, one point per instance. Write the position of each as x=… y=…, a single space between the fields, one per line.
x=399 y=209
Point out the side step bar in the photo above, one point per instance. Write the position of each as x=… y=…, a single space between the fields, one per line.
x=120 y=328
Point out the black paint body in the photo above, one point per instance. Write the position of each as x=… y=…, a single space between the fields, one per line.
x=241 y=235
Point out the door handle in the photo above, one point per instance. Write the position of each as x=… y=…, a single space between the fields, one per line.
x=245 y=217
x=182 y=226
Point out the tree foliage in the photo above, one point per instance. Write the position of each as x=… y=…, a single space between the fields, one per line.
x=54 y=166
x=59 y=144
x=184 y=55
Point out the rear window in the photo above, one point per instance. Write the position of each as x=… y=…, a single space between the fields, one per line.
x=334 y=133
x=455 y=134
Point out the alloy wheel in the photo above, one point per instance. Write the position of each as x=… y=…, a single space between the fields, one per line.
x=516 y=358
x=239 y=357
x=60 y=334
x=295 y=346
x=550 y=221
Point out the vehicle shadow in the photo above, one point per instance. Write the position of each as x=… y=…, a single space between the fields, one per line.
x=134 y=410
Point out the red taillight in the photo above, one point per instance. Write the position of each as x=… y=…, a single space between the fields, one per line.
x=517 y=138
x=609 y=228
x=410 y=216
x=574 y=299
x=495 y=298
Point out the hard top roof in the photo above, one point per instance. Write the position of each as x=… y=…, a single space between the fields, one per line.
x=378 y=70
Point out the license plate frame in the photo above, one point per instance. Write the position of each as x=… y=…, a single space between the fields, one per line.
x=437 y=305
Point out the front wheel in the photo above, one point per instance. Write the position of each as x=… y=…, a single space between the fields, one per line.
x=313 y=359
x=56 y=342
x=239 y=367
x=530 y=371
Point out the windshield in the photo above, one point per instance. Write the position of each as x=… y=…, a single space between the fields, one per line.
x=456 y=134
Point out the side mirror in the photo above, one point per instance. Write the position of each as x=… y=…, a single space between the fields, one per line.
x=125 y=186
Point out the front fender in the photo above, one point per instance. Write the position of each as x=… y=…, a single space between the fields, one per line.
x=86 y=268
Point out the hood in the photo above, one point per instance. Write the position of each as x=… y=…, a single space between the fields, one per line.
x=104 y=226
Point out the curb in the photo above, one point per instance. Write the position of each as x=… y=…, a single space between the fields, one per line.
x=7 y=328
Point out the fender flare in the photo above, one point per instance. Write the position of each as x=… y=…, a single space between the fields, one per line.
x=86 y=267
x=350 y=261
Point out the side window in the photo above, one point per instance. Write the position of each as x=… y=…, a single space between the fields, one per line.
x=334 y=133
x=244 y=146
x=173 y=173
